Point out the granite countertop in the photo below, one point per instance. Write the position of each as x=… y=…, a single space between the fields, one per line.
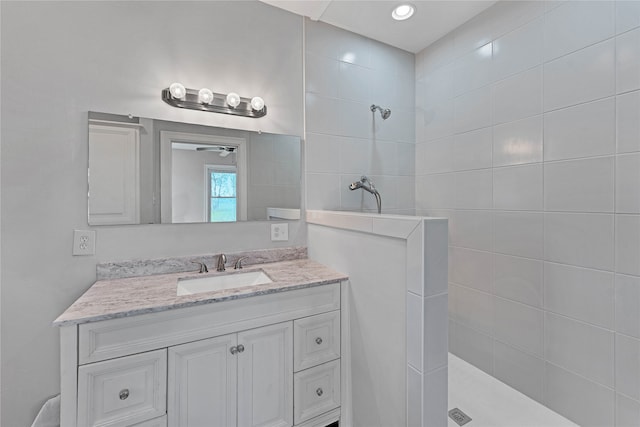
x=125 y=297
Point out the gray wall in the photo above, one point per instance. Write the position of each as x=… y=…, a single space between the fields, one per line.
x=63 y=59
x=528 y=141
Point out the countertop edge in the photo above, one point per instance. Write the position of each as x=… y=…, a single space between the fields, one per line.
x=161 y=308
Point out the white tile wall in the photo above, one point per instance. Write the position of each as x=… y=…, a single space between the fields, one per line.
x=581 y=76
x=519 y=370
x=627 y=411
x=594 y=408
x=563 y=282
x=628 y=366
x=547 y=226
x=473 y=150
x=580 y=348
x=470 y=110
x=472 y=229
x=627 y=15
x=581 y=131
x=519 y=234
x=628 y=244
x=474 y=310
x=628 y=61
x=580 y=239
x=519 y=325
x=345 y=74
x=518 y=50
x=518 y=279
x=575 y=25
x=628 y=122
x=584 y=185
x=518 y=187
x=518 y=96
x=518 y=142
x=627 y=179
x=627 y=305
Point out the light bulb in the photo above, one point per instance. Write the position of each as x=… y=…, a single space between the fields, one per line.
x=233 y=100
x=177 y=90
x=257 y=103
x=205 y=96
x=402 y=12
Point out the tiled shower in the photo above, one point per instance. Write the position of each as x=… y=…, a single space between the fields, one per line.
x=528 y=140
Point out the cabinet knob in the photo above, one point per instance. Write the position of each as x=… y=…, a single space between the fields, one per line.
x=319 y=391
x=233 y=349
x=124 y=394
x=240 y=348
x=318 y=340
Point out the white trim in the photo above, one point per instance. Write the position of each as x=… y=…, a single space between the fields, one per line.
x=114 y=123
x=167 y=138
x=68 y=375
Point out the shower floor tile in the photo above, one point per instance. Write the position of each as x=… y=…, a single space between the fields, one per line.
x=491 y=403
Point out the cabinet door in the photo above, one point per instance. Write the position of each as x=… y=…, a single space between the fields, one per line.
x=265 y=377
x=202 y=383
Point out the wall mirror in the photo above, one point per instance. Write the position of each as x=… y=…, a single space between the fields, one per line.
x=149 y=171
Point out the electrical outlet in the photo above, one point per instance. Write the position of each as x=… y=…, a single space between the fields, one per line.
x=84 y=242
x=279 y=232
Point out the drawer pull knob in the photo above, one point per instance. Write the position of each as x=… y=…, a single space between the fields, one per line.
x=319 y=391
x=318 y=340
x=240 y=348
x=124 y=394
x=233 y=349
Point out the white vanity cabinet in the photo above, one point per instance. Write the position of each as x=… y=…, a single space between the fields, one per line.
x=242 y=379
x=267 y=360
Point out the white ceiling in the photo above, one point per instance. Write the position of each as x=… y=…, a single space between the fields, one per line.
x=372 y=18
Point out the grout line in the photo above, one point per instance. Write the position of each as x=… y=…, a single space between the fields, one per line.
x=615 y=164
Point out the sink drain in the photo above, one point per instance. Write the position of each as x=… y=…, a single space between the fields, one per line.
x=459 y=417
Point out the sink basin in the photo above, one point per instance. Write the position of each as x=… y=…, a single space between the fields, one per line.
x=191 y=285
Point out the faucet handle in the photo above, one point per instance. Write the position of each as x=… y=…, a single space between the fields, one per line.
x=203 y=266
x=238 y=264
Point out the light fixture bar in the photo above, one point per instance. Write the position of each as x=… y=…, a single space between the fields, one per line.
x=191 y=101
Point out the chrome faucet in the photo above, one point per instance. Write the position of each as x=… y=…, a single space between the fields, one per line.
x=222 y=259
x=370 y=188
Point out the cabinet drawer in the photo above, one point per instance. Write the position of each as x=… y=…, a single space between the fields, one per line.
x=124 y=391
x=316 y=391
x=316 y=340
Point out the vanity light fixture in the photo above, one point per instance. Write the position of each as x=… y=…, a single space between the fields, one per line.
x=204 y=99
x=403 y=11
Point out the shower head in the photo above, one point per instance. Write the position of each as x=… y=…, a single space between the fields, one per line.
x=384 y=112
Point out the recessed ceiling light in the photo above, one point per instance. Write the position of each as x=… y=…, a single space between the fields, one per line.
x=402 y=12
